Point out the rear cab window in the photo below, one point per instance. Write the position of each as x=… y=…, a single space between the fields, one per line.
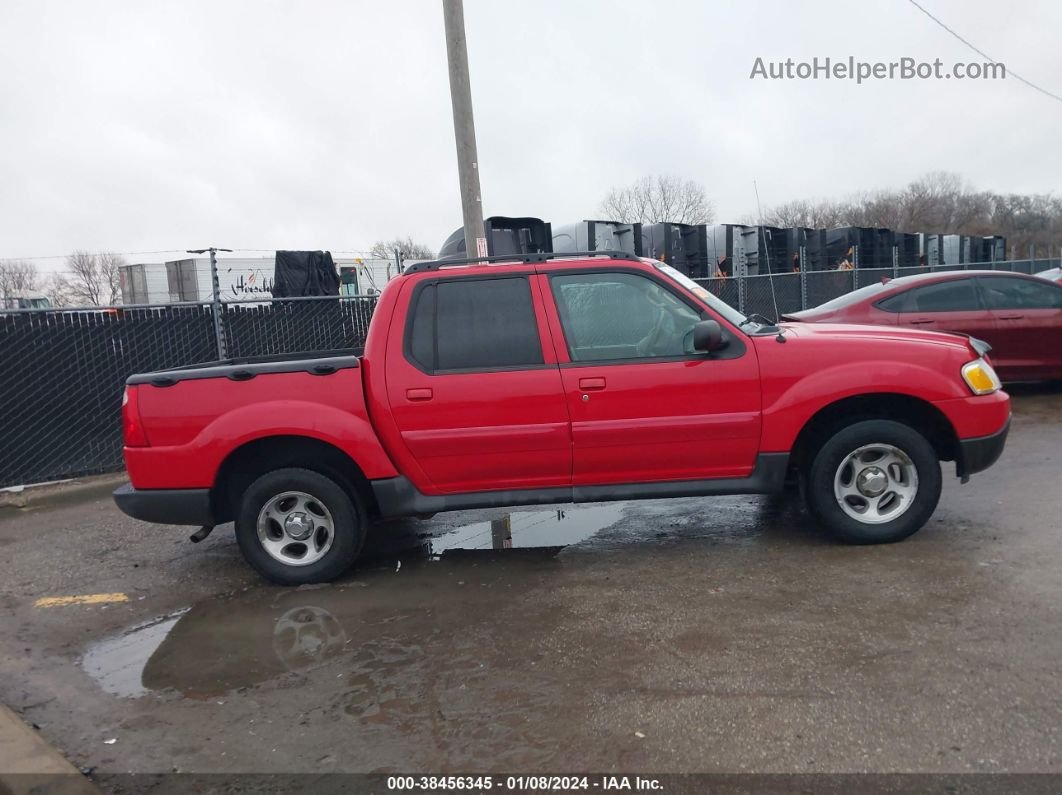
x=470 y=325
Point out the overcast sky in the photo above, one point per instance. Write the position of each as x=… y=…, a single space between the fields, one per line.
x=137 y=126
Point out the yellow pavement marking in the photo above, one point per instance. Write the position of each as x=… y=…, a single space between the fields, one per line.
x=85 y=599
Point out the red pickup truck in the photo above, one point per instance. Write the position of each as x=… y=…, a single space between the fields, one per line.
x=556 y=378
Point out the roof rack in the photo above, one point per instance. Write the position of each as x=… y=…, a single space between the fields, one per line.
x=543 y=256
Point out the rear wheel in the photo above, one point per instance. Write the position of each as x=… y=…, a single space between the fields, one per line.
x=874 y=482
x=297 y=526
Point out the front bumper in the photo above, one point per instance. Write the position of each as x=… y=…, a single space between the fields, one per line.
x=166 y=506
x=978 y=454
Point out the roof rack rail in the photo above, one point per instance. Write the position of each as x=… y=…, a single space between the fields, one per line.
x=543 y=256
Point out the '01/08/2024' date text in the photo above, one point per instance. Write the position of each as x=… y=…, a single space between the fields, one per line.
x=521 y=783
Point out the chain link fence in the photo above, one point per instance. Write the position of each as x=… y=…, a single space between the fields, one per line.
x=62 y=370
x=294 y=325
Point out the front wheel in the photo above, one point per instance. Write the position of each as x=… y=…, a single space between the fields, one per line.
x=874 y=482
x=297 y=526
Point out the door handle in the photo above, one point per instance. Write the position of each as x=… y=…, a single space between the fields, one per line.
x=1012 y=317
x=922 y=322
x=591 y=383
x=418 y=394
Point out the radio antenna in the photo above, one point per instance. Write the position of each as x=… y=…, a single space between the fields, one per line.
x=766 y=252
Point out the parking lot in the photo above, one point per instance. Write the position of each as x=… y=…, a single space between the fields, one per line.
x=689 y=635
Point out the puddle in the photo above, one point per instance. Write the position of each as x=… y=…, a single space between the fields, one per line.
x=551 y=529
x=375 y=624
x=118 y=662
x=201 y=652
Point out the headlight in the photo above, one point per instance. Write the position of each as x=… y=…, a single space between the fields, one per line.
x=980 y=377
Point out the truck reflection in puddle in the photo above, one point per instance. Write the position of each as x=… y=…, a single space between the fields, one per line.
x=544 y=530
x=200 y=654
x=118 y=663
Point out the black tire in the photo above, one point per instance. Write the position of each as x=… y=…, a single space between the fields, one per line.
x=825 y=506
x=347 y=519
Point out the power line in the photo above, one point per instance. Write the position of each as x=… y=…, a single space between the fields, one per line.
x=983 y=54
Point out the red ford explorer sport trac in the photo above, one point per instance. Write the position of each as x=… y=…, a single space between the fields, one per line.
x=555 y=378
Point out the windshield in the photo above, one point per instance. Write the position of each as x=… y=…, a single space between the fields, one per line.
x=717 y=304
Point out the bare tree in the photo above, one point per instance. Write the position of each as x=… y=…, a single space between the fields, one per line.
x=940 y=203
x=57 y=288
x=407 y=246
x=18 y=276
x=1034 y=219
x=811 y=214
x=94 y=279
x=658 y=199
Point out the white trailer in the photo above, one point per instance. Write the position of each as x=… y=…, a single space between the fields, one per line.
x=239 y=279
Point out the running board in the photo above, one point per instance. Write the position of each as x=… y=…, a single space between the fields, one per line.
x=397 y=497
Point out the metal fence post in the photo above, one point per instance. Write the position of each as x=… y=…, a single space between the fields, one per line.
x=215 y=302
x=219 y=323
x=803 y=278
x=895 y=261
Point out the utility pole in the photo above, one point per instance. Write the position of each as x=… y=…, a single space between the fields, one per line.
x=464 y=128
x=219 y=329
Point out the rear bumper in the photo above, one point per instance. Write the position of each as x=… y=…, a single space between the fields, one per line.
x=166 y=506
x=978 y=454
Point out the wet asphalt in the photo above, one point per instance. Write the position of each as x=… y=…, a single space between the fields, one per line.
x=693 y=635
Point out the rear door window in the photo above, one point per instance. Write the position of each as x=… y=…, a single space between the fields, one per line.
x=957 y=295
x=473 y=324
x=1007 y=293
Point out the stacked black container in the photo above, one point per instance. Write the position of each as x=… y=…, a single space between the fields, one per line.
x=994 y=248
x=504 y=236
x=813 y=241
x=599 y=236
x=862 y=246
x=906 y=249
x=683 y=246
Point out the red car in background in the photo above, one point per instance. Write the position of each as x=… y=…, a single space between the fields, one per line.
x=1019 y=316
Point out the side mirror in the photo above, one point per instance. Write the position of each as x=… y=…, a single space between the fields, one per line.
x=707 y=336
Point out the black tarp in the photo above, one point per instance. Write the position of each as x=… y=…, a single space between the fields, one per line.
x=305 y=273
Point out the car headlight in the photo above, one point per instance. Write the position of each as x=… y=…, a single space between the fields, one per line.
x=980 y=377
